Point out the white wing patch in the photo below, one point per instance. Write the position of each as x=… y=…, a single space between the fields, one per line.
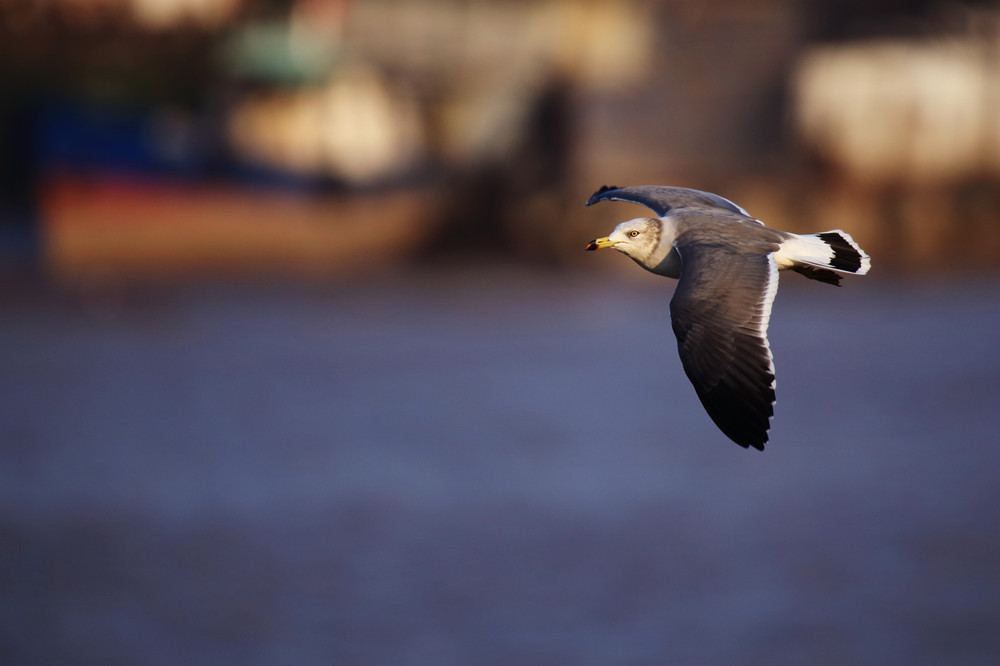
x=763 y=316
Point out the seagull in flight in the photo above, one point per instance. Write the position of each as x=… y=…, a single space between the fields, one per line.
x=727 y=263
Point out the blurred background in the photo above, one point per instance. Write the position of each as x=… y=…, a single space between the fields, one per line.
x=301 y=360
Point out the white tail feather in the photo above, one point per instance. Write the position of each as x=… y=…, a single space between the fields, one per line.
x=834 y=250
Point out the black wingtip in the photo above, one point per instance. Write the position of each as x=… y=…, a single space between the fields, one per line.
x=596 y=196
x=755 y=441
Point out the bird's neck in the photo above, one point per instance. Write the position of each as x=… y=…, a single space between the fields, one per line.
x=669 y=266
x=664 y=260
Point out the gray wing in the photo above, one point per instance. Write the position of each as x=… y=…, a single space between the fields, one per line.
x=662 y=199
x=719 y=313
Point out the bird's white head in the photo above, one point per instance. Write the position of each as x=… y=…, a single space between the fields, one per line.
x=638 y=238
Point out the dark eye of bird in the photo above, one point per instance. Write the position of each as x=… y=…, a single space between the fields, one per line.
x=633 y=234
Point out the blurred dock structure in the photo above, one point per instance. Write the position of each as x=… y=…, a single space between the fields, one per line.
x=490 y=121
x=908 y=131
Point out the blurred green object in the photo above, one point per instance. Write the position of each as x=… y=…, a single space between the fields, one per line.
x=276 y=52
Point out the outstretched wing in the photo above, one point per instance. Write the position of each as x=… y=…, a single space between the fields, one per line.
x=662 y=199
x=719 y=313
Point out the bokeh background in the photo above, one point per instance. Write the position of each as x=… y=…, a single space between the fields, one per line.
x=301 y=360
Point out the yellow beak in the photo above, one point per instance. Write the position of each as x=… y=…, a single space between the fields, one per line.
x=600 y=243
